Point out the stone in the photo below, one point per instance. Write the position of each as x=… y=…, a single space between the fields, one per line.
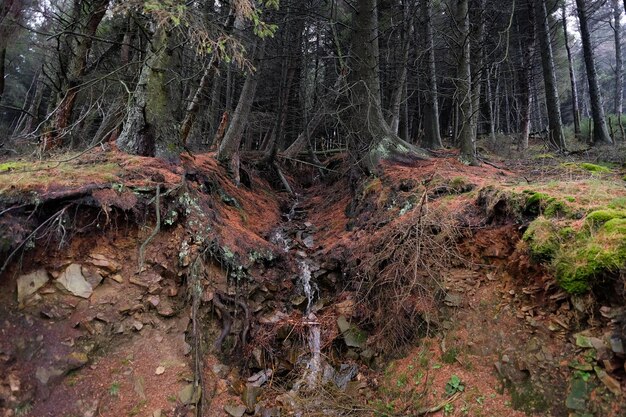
x=453 y=300
x=117 y=278
x=29 y=284
x=578 y=395
x=103 y=262
x=14 y=383
x=346 y=307
x=352 y=335
x=309 y=242
x=190 y=394
x=611 y=383
x=250 y=395
x=154 y=300
x=88 y=408
x=44 y=374
x=92 y=276
x=139 y=387
x=235 y=410
x=165 y=309
x=73 y=281
x=160 y=370
x=617 y=345
x=157 y=413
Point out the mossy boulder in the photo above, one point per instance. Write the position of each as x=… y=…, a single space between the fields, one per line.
x=542 y=237
x=592 y=255
x=599 y=217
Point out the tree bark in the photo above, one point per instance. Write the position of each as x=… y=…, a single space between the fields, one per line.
x=619 y=74
x=228 y=152
x=601 y=133
x=555 y=132
x=372 y=140
x=432 y=134
x=527 y=45
x=477 y=37
x=464 y=85
x=572 y=73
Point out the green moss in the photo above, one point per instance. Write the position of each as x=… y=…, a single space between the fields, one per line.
x=543 y=239
x=557 y=208
x=598 y=217
x=570 y=199
x=12 y=165
x=581 y=263
x=594 y=167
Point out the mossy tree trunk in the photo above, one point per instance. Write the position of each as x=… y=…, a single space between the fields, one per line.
x=149 y=128
x=371 y=138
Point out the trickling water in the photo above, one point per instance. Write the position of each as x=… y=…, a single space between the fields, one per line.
x=315 y=364
x=278 y=238
x=292 y=212
x=307 y=286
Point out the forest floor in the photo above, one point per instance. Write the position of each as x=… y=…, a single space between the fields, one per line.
x=134 y=287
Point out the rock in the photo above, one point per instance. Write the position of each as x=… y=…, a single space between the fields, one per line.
x=29 y=284
x=92 y=276
x=346 y=307
x=273 y=317
x=352 y=335
x=139 y=387
x=260 y=377
x=44 y=374
x=584 y=340
x=617 y=345
x=160 y=370
x=453 y=300
x=73 y=281
x=578 y=395
x=190 y=394
x=309 y=242
x=221 y=370
x=154 y=300
x=146 y=279
x=611 y=383
x=88 y=408
x=157 y=413
x=235 y=410
x=117 y=278
x=103 y=262
x=165 y=309
x=250 y=396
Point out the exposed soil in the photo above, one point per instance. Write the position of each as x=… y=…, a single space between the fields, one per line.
x=226 y=264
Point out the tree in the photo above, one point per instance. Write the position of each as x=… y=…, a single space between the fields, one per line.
x=464 y=85
x=619 y=72
x=432 y=135
x=555 y=127
x=600 y=131
x=572 y=73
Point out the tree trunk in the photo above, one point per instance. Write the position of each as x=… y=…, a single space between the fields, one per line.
x=432 y=134
x=527 y=46
x=228 y=152
x=149 y=126
x=555 y=133
x=194 y=102
x=572 y=73
x=3 y=54
x=371 y=137
x=464 y=85
x=396 y=97
x=601 y=133
x=477 y=36
x=619 y=75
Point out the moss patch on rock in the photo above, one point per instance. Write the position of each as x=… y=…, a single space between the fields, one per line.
x=543 y=239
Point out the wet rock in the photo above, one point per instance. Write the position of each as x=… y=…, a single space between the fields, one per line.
x=29 y=284
x=309 y=242
x=352 y=335
x=72 y=280
x=339 y=378
x=250 y=396
x=235 y=410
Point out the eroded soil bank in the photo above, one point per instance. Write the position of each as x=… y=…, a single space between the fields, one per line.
x=133 y=287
